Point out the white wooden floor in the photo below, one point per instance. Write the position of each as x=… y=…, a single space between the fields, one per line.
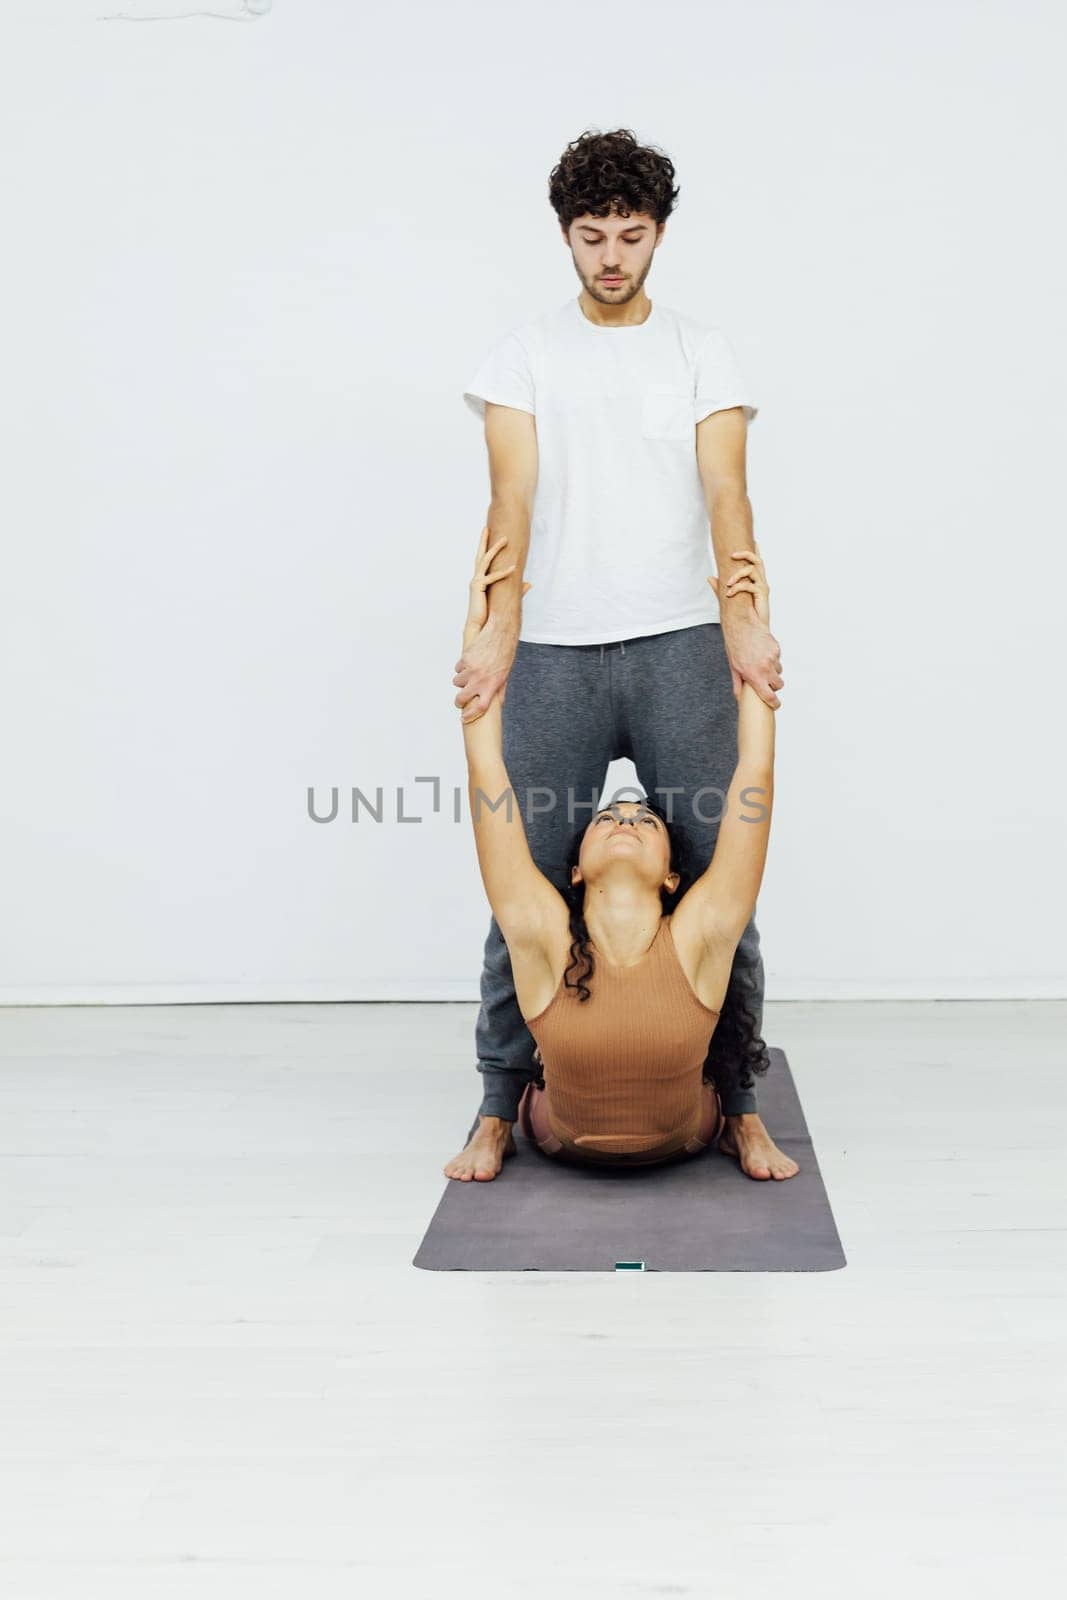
x=222 y=1376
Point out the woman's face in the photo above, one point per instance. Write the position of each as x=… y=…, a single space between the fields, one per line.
x=628 y=831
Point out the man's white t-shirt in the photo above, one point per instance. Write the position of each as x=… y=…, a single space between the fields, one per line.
x=620 y=542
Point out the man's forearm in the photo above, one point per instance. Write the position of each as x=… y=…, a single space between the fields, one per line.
x=731 y=529
x=510 y=517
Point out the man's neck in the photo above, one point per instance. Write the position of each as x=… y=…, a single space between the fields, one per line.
x=630 y=315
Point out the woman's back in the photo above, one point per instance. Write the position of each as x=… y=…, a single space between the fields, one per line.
x=622 y=1069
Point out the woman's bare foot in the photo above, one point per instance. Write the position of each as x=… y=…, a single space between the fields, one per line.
x=483 y=1158
x=746 y=1138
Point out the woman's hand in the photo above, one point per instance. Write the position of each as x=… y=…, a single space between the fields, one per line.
x=487 y=654
x=478 y=607
x=753 y=578
x=753 y=652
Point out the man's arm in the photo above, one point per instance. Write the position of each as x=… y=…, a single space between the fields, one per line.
x=752 y=649
x=482 y=669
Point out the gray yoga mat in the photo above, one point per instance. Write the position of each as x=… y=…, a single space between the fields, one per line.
x=698 y=1215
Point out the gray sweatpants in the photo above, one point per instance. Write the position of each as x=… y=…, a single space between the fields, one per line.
x=665 y=701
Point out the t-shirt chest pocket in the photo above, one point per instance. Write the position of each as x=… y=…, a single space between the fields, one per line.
x=667 y=411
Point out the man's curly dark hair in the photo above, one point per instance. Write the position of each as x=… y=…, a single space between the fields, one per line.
x=737 y=1049
x=602 y=172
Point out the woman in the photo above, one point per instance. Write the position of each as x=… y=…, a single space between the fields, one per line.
x=622 y=1057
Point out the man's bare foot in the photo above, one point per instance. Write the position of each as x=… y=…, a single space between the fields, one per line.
x=483 y=1158
x=746 y=1138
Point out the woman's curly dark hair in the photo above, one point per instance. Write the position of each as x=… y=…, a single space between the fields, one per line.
x=601 y=172
x=736 y=1042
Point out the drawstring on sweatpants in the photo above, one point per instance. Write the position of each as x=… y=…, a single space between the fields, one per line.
x=622 y=647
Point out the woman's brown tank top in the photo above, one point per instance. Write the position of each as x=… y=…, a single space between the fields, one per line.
x=622 y=1069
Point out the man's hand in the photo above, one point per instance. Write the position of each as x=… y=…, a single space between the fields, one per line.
x=489 y=641
x=482 y=670
x=753 y=652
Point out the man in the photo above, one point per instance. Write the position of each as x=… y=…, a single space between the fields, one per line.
x=641 y=417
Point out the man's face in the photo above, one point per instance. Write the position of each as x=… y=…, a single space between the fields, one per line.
x=613 y=247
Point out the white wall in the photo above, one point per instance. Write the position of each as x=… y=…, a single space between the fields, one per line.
x=247 y=272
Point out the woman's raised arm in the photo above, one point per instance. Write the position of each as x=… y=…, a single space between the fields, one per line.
x=724 y=897
x=525 y=903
